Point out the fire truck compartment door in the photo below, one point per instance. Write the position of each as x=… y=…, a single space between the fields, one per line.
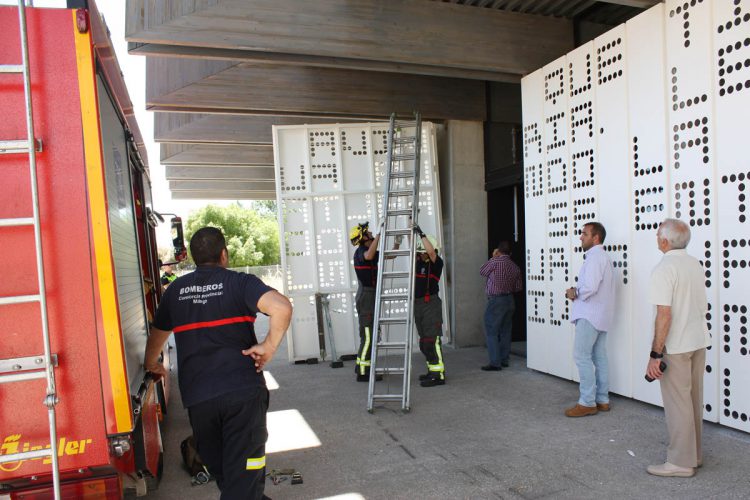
x=124 y=238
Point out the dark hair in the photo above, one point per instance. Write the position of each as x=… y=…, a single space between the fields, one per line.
x=206 y=246
x=597 y=230
x=504 y=247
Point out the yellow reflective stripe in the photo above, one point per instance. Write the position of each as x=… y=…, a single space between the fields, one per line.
x=100 y=229
x=363 y=363
x=439 y=366
x=367 y=342
x=256 y=463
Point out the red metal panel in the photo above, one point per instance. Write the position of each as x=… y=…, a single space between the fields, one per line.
x=67 y=259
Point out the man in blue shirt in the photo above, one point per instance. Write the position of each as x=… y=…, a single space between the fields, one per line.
x=211 y=312
x=592 y=311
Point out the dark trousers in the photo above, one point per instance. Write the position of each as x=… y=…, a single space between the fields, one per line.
x=498 y=325
x=230 y=435
x=428 y=318
x=365 y=303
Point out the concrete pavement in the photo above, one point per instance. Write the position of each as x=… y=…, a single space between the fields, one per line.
x=482 y=435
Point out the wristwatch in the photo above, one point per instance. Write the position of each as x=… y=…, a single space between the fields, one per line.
x=656 y=355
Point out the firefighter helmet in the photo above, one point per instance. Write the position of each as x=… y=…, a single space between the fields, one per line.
x=358 y=232
x=433 y=242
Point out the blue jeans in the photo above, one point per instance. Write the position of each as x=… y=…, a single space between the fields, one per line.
x=590 y=354
x=498 y=324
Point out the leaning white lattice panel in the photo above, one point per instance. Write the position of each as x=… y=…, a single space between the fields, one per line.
x=671 y=94
x=535 y=189
x=692 y=131
x=731 y=348
x=330 y=178
x=648 y=155
x=613 y=157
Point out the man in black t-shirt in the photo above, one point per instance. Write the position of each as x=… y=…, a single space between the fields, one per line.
x=211 y=312
x=428 y=308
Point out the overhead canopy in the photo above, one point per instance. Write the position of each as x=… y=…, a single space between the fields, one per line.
x=220 y=75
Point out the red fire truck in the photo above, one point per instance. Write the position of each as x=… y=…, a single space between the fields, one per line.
x=79 y=417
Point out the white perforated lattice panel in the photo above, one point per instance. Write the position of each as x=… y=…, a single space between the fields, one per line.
x=330 y=178
x=645 y=122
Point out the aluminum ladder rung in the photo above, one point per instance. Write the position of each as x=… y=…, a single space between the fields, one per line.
x=405 y=124
x=400 y=192
x=393 y=297
x=391 y=370
x=392 y=345
x=20 y=377
x=19 y=299
x=392 y=321
x=387 y=397
x=402 y=175
x=19 y=146
x=404 y=157
x=404 y=232
x=25 y=455
x=395 y=274
x=404 y=140
x=25 y=368
x=19 y=221
x=400 y=211
x=11 y=68
x=397 y=253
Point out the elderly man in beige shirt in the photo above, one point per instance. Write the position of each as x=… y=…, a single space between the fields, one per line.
x=678 y=291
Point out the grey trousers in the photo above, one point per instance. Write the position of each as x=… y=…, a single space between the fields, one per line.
x=682 y=393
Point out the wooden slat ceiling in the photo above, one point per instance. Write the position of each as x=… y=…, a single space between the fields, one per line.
x=222 y=72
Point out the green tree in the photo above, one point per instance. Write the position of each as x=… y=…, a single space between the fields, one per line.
x=252 y=237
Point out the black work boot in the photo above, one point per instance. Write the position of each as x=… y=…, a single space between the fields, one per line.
x=432 y=380
x=366 y=377
x=424 y=376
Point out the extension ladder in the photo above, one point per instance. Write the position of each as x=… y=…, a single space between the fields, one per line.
x=40 y=366
x=393 y=296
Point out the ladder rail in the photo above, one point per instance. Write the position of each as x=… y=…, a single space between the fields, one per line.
x=51 y=397
x=375 y=333
x=392 y=157
x=412 y=258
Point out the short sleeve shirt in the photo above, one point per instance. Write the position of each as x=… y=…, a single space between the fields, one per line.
x=211 y=312
x=678 y=281
x=367 y=270
x=427 y=278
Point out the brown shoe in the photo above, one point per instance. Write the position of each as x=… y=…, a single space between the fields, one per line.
x=581 y=411
x=602 y=406
x=670 y=470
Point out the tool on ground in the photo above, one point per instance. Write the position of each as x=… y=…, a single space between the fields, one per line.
x=279 y=475
x=393 y=295
x=40 y=366
x=321 y=325
x=335 y=361
x=322 y=308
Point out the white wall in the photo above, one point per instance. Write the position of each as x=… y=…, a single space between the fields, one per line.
x=644 y=122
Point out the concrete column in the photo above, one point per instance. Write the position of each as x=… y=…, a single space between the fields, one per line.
x=464 y=211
